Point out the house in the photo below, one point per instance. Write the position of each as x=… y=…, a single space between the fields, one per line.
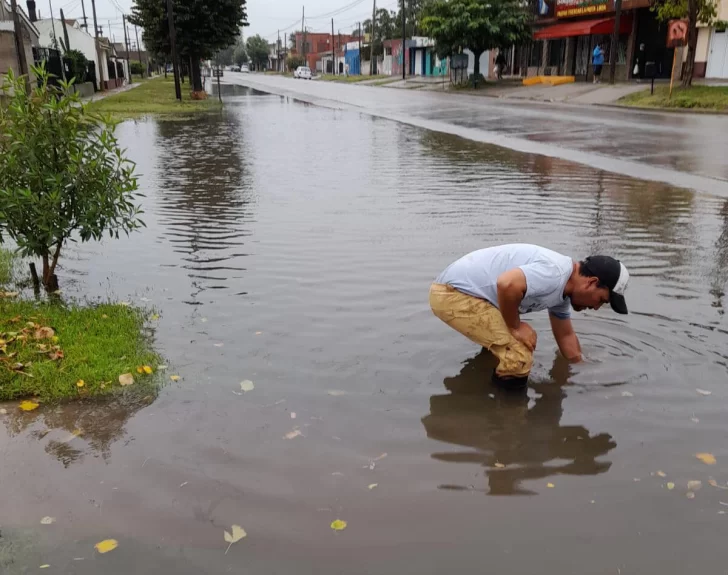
x=8 y=53
x=711 y=55
x=276 y=56
x=319 y=44
x=133 y=55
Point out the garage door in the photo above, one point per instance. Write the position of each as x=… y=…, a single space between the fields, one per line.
x=718 y=55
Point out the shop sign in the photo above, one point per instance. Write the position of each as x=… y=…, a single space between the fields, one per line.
x=571 y=8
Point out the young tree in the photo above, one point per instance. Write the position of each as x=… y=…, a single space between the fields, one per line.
x=696 y=12
x=240 y=55
x=257 y=49
x=202 y=28
x=63 y=176
x=478 y=25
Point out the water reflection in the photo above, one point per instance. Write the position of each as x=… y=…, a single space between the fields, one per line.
x=525 y=435
x=79 y=428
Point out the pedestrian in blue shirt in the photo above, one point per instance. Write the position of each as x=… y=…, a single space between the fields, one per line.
x=597 y=62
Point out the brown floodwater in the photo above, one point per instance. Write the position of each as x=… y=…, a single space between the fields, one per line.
x=293 y=246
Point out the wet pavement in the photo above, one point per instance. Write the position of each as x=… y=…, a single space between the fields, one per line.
x=686 y=150
x=293 y=245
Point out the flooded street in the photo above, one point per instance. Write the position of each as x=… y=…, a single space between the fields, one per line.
x=294 y=245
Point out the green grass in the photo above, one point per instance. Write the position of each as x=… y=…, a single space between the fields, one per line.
x=155 y=96
x=714 y=98
x=389 y=80
x=98 y=344
x=8 y=263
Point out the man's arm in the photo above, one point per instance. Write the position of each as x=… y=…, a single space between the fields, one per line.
x=566 y=338
x=512 y=288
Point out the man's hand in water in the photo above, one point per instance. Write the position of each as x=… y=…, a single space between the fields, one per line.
x=526 y=335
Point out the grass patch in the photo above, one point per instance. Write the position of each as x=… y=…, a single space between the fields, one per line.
x=386 y=81
x=350 y=79
x=155 y=96
x=95 y=344
x=713 y=98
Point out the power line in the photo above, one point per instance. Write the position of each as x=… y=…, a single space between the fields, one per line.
x=337 y=11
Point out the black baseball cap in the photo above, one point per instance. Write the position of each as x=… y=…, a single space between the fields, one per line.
x=612 y=274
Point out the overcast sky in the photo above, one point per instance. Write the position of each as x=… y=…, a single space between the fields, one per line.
x=266 y=17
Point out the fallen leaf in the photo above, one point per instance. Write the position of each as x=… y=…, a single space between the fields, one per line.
x=106 y=545
x=703 y=391
x=258 y=332
x=694 y=485
x=338 y=525
x=126 y=379
x=147 y=369
x=44 y=566
x=47 y=520
x=550 y=485
x=292 y=434
x=627 y=394
x=237 y=534
x=670 y=485
x=203 y=320
x=293 y=415
x=80 y=383
x=154 y=317
x=247 y=385
x=372 y=486
x=714 y=483
x=9 y=294
x=161 y=367
x=499 y=465
x=707 y=458
x=28 y=405
x=183 y=484
x=219 y=344
x=662 y=474
x=44 y=333
x=3 y=411
x=336 y=392
x=690 y=495
x=174 y=377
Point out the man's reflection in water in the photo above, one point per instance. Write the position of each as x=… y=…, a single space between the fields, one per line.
x=500 y=428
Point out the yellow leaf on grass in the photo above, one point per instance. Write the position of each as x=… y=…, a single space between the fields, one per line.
x=338 y=525
x=126 y=379
x=237 y=533
x=147 y=369
x=80 y=383
x=106 y=545
x=707 y=458
x=247 y=385
x=28 y=405
x=174 y=377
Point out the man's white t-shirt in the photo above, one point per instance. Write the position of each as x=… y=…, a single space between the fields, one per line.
x=546 y=272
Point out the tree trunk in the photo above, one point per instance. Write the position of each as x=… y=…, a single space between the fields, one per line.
x=196 y=74
x=687 y=79
x=165 y=70
x=476 y=67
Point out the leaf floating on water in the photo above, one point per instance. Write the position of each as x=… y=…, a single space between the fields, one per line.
x=627 y=394
x=703 y=391
x=292 y=434
x=372 y=486
x=203 y=319
x=690 y=495
x=670 y=485
x=174 y=377
x=247 y=385
x=44 y=566
x=47 y=520
x=499 y=465
x=707 y=458
x=237 y=533
x=126 y=379
x=28 y=405
x=258 y=332
x=694 y=420
x=106 y=545
x=713 y=483
x=694 y=485
x=293 y=415
x=338 y=525
x=336 y=392
x=550 y=485
x=662 y=474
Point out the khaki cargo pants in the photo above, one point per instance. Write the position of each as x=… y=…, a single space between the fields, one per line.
x=482 y=322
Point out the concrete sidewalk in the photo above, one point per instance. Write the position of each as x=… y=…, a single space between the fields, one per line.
x=101 y=95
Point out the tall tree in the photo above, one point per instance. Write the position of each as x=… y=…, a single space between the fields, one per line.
x=478 y=25
x=695 y=12
x=203 y=28
x=257 y=49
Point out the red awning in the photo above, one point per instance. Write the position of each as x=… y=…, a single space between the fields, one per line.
x=584 y=28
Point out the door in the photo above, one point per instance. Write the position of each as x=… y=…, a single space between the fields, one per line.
x=718 y=55
x=581 y=66
x=418 y=62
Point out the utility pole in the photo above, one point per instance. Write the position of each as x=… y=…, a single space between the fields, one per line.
x=615 y=41
x=139 y=50
x=100 y=71
x=20 y=45
x=372 y=62
x=126 y=47
x=285 y=49
x=303 y=32
x=360 y=48
x=85 y=20
x=333 y=50
x=404 y=42
x=173 y=46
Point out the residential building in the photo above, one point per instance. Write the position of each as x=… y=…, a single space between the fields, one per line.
x=711 y=56
x=8 y=52
x=319 y=44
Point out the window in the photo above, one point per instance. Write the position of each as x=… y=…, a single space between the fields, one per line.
x=535 y=54
x=556 y=49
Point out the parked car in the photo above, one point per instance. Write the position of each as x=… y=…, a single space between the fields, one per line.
x=235 y=68
x=244 y=68
x=303 y=72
